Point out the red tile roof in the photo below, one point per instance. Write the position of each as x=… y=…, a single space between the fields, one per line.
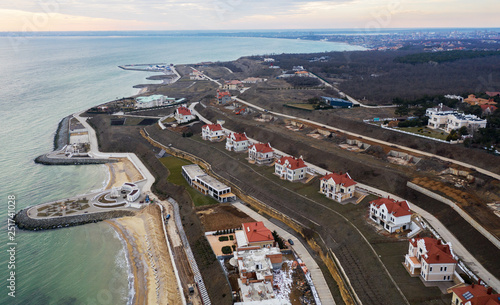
x=342 y=179
x=183 y=110
x=222 y=94
x=213 y=127
x=262 y=148
x=293 y=163
x=238 y=137
x=257 y=232
x=491 y=107
x=492 y=94
x=396 y=208
x=477 y=295
x=436 y=251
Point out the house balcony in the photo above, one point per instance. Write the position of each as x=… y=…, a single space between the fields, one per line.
x=412 y=265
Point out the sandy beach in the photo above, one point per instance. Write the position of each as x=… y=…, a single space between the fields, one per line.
x=154 y=277
x=121 y=172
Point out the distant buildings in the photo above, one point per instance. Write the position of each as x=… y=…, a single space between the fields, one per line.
x=392 y=215
x=488 y=109
x=338 y=187
x=448 y=119
x=474 y=295
x=223 y=97
x=290 y=168
x=153 y=101
x=253 y=80
x=206 y=184
x=212 y=132
x=237 y=142
x=183 y=115
x=232 y=85
x=268 y=59
x=430 y=259
x=261 y=153
x=196 y=75
x=473 y=100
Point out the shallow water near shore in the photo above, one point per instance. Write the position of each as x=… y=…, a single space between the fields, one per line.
x=45 y=79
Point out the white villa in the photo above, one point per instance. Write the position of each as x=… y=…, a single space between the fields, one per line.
x=153 y=101
x=430 y=259
x=237 y=142
x=290 y=168
x=206 y=184
x=212 y=132
x=261 y=153
x=392 y=215
x=183 y=115
x=443 y=117
x=338 y=187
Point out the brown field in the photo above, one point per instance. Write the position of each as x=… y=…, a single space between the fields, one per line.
x=222 y=217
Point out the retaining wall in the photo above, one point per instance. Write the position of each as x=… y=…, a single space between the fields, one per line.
x=459 y=210
x=43 y=159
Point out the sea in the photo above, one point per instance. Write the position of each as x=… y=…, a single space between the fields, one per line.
x=42 y=80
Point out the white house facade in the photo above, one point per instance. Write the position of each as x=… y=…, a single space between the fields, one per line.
x=261 y=153
x=392 y=215
x=338 y=187
x=183 y=115
x=237 y=142
x=206 y=184
x=212 y=132
x=290 y=168
x=430 y=259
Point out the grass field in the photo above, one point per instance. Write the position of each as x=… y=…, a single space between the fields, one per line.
x=174 y=166
x=425 y=131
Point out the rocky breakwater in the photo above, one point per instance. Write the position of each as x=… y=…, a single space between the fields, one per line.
x=25 y=222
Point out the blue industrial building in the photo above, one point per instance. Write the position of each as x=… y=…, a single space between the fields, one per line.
x=337 y=102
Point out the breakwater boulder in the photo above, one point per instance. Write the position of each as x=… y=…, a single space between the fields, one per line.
x=23 y=221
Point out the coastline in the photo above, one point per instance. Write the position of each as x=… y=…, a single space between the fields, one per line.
x=153 y=278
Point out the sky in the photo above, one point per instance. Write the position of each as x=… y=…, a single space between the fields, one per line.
x=127 y=15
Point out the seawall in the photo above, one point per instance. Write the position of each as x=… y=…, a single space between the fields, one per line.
x=61 y=136
x=23 y=221
x=43 y=159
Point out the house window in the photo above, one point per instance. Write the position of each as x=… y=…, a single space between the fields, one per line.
x=445 y=268
x=444 y=278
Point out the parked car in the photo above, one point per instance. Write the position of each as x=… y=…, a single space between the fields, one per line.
x=290 y=241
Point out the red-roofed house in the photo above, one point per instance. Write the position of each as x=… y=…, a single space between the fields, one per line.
x=474 y=295
x=255 y=235
x=473 y=100
x=261 y=153
x=492 y=94
x=430 y=259
x=338 y=187
x=223 y=97
x=488 y=109
x=391 y=214
x=183 y=115
x=212 y=132
x=237 y=142
x=290 y=168
x=233 y=84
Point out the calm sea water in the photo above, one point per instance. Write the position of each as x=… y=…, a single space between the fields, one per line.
x=44 y=79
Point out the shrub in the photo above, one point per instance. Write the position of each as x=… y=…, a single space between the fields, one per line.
x=223 y=238
x=226 y=250
x=231 y=237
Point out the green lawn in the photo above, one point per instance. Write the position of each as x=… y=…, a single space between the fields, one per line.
x=425 y=131
x=302 y=106
x=174 y=166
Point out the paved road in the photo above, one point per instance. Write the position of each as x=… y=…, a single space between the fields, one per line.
x=317 y=276
x=94 y=151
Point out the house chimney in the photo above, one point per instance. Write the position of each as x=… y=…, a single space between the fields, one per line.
x=489 y=291
x=437 y=256
x=472 y=286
